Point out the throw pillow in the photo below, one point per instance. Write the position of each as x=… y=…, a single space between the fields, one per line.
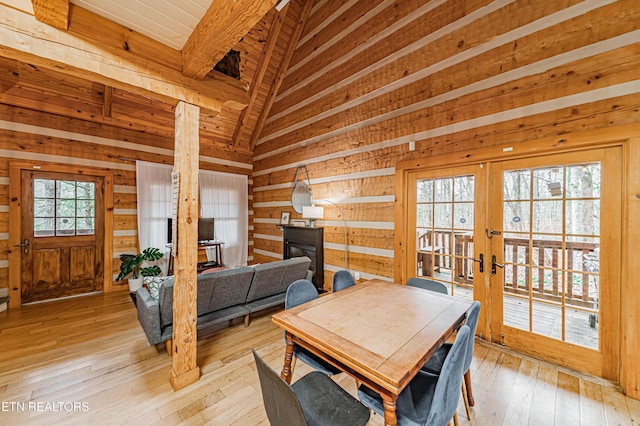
x=153 y=285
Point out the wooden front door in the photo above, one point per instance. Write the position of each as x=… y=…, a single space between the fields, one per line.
x=555 y=258
x=62 y=235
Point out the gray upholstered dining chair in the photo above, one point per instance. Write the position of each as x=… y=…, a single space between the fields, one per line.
x=435 y=363
x=314 y=399
x=428 y=399
x=341 y=280
x=428 y=285
x=299 y=292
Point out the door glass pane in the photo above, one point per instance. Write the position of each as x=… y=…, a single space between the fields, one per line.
x=43 y=227
x=547 y=182
x=443 y=189
x=547 y=216
x=444 y=232
x=583 y=181
x=463 y=216
x=516 y=185
x=44 y=208
x=65 y=189
x=442 y=215
x=464 y=188
x=544 y=319
x=424 y=216
x=44 y=188
x=551 y=270
x=516 y=216
x=425 y=190
x=583 y=217
x=516 y=312
x=63 y=208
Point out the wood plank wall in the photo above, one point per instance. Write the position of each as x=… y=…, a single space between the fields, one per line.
x=369 y=76
x=29 y=135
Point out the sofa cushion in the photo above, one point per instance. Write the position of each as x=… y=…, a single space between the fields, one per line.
x=297 y=269
x=221 y=289
x=216 y=290
x=274 y=277
x=266 y=280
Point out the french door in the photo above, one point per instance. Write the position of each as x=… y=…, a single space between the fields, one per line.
x=537 y=242
x=555 y=258
x=445 y=234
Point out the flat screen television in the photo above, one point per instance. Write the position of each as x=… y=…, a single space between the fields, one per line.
x=206 y=229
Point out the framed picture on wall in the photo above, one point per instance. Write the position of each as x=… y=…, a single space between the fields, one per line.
x=284 y=218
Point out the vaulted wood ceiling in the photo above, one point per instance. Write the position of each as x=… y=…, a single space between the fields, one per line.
x=58 y=57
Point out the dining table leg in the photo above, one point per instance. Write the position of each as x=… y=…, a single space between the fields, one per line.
x=389 y=404
x=288 y=356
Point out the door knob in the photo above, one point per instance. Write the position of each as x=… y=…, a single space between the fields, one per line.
x=495 y=264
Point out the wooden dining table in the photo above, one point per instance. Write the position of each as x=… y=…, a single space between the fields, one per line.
x=378 y=332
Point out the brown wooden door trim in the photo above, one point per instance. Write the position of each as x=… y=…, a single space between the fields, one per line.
x=15 y=220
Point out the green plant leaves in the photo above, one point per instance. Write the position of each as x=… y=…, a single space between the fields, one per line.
x=131 y=264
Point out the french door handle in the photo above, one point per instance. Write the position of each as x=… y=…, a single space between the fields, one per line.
x=495 y=264
x=480 y=260
x=25 y=244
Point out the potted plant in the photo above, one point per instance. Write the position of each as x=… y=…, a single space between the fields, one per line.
x=132 y=264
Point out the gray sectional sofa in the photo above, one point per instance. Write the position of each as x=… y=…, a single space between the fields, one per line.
x=222 y=296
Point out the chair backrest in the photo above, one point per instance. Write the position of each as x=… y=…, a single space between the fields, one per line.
x=428 y=285
x=341 y=280
x=280 y=403
x=299 y=292
x=472 y=323
x=447 y=392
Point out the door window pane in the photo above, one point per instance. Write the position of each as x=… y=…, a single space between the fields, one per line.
x=516 y=216
x=63 y=208
x=517 y=185
x=425 y=191
x=443 y=215
x=547 y=216
x=583 y=217
x=548 y=182
x=464 y=188
x=463 y=216
x=583 y=181
x=443 y=189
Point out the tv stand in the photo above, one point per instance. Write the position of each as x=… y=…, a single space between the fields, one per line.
x=217 y=262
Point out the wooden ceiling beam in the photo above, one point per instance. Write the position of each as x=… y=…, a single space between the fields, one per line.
x=28 y=40
x=282 y=69
x=263 y=65
x=52 y=12
x=222 y=26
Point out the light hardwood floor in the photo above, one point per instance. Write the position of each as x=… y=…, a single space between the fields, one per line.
x=92 y=351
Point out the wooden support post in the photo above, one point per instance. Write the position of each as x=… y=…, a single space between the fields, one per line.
x=184 y=370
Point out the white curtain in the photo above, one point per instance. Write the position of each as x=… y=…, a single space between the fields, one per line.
x=223 y=196
x=153 y=182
